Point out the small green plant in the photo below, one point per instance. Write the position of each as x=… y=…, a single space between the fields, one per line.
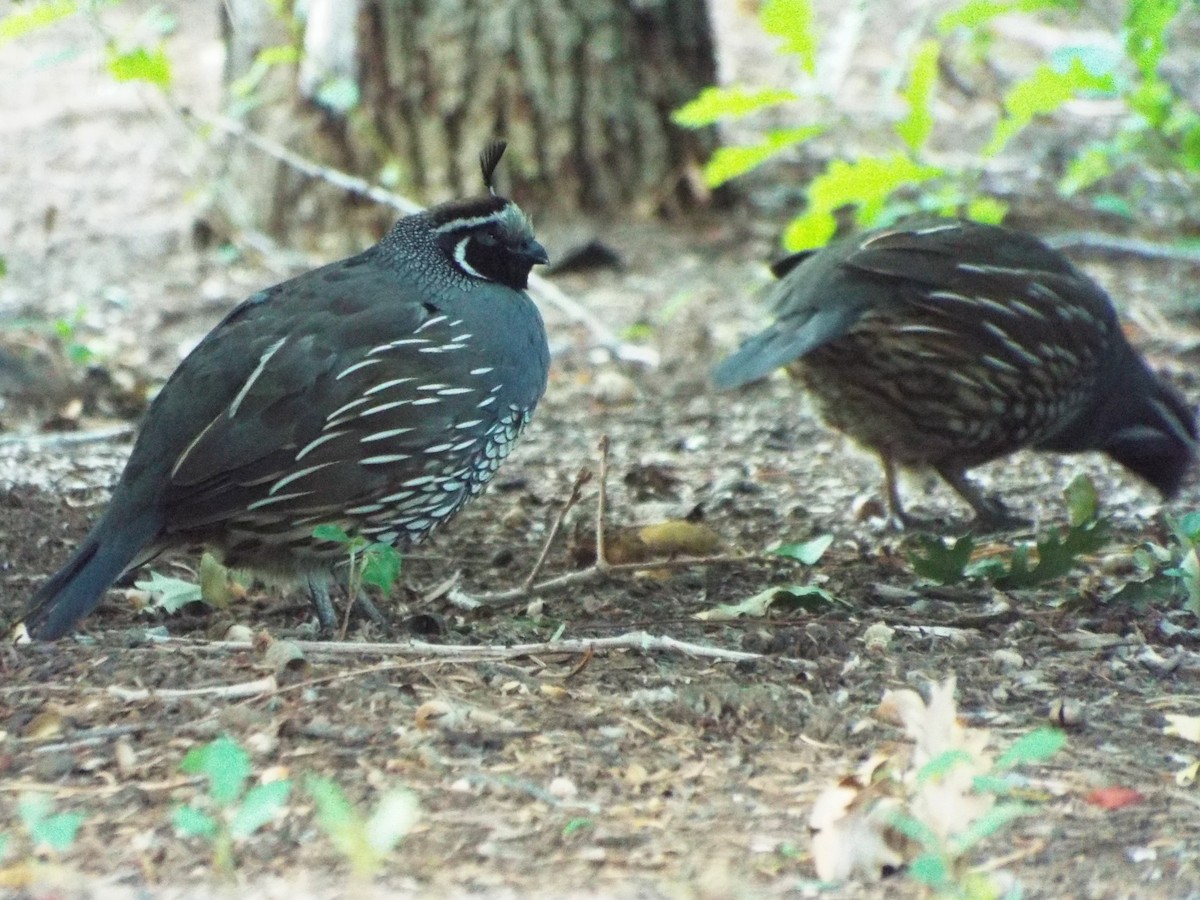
x=881 y=187
x=363 y=841
x=376 y=563
x=1172 y=571
x=942 y=864
x=1163 y=129
x=229 y=813
x=1028 y=565
x=45 y=828
x=125 y=60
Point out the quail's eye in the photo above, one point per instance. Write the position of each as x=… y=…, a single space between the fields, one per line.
x=487 y=238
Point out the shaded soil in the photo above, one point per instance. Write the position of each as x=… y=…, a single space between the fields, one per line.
x=626 y=773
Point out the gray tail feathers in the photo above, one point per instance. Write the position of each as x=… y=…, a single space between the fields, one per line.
x=77 y=588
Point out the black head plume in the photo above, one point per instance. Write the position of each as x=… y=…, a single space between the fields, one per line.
x=489 y=159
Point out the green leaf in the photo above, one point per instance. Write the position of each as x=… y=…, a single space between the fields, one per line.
x=1188 y=573
x=334 y=812
x=792 y=20
x=30 y=17
x=214 y=582
x=381 y=566
x=808 y=552
x=1093 y=164
x=267 y=58
x=913 y=829
x=3 y=267
x=1113 y=205
x=140 y=64
x=866 y=183
x=576 y=825
x=1146 y=32
x=339 y=94
x=715 y=104
x=730 y=162
x=988 y=210
x=930 y=870
x=224 y=763
x=1057 y=556
x=987 y=825
x=335 y=534
x=758 y=605
x=975 y=13
x=1082 y=503
x=1040 y=744
x=194 y=822
x=1186 y=528
x=170 y=594
x=814 y=228
x=942 y=563
x=914 y=129
x=32 y=808
x=260 y=805
x=57 y=832
x=1041 y=93
x=942 y=764
x=398 y=811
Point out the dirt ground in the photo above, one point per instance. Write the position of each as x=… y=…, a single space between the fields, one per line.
x=620 y=773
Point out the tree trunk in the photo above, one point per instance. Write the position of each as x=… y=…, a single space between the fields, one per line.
x=581 y=89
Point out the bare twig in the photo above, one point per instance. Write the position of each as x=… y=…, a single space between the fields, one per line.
x=89 y=738
x=581 y=479
x=538 y=286
x=596 y=573
x=634 y=640
x=1109 y=244
x=54 y=439
x=602 y=566
x=221 y=691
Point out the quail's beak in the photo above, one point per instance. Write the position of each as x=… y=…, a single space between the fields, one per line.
x=535 y=253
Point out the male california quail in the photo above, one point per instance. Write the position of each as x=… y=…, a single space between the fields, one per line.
x=379 y=393
x=944 y=344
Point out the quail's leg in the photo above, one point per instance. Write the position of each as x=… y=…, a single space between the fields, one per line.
x=368 y=608
x=318 y=593
x=900 y=519
x=990 y=512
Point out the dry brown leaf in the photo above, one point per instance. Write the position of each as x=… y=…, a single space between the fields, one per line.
x=43 y=726
x=850 y=833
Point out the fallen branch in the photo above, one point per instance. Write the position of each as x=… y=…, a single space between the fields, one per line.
x=1097 y=242
x=634 y=640
x=50 y=440
x=221 y=691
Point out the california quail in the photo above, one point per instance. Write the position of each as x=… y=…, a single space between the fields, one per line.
x=379 y=393
x=946 y=344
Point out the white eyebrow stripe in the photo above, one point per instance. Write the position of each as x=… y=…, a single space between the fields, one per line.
x=475 y=222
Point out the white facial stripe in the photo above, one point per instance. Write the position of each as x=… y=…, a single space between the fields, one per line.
x=460 y=257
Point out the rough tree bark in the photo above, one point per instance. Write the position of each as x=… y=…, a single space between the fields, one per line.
x=582 y=90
